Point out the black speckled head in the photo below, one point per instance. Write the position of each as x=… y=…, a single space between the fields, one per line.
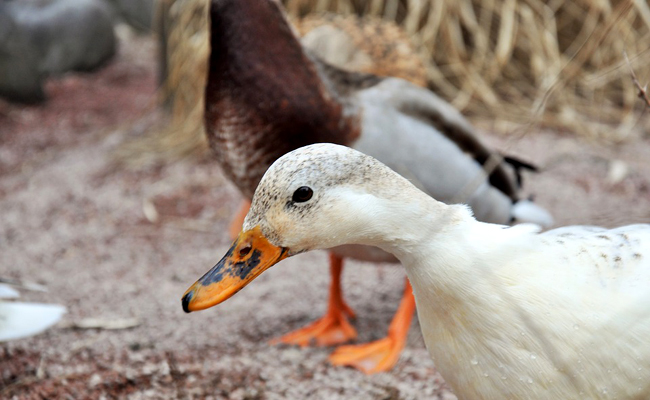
x=317 y=197
x=333 y=174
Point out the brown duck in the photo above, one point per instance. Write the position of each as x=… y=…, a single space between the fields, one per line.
x=266 y=95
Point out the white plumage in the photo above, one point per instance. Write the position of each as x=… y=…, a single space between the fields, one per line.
x=506 y=312
x=19 y=320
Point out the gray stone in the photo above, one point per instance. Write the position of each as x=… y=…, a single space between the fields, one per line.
x=20 y=78
x=39 y=38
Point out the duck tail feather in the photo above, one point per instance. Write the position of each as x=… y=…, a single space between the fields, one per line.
x=519 y=165
x=527 y=211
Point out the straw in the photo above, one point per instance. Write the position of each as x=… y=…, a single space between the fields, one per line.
x=507 y=64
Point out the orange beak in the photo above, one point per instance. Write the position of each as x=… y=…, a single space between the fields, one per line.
x=249 y=256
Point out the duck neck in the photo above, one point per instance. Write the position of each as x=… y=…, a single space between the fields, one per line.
x=409 y=227
x=447 y=266
x=264 y=95
x=253 y=46
x=454 y=275
x=445 y=251
x=442 y=247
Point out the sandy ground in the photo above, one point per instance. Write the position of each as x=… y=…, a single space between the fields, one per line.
x=74 y=222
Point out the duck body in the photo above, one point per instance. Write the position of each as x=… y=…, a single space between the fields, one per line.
x=572 y=328
x=402 y=126
x=267 y=96
x=506 y=312
x=509 y=313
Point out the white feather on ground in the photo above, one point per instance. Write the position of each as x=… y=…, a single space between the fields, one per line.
x=19 y=320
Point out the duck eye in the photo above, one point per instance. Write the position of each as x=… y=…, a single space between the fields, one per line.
x=302 y=194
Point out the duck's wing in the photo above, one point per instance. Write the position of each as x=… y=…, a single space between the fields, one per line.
x=429 y=142
x=424 y=105
x=35 y=287
x=19 y=320
x=426 y=140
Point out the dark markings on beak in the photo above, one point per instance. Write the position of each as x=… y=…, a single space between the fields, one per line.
x=186 y=302
x=226 y=267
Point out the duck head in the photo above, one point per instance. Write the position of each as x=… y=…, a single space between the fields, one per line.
x=315 y=197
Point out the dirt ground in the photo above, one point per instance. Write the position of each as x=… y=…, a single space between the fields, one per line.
x=74 y=222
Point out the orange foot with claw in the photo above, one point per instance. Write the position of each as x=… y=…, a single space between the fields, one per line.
x=378 y=356
x=237 y=222
x=381 y=355
x=333 y=327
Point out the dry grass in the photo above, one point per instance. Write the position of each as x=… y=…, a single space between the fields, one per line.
x=372 y=45
x=642 y=90
x=558 y=63
x=512 y=64
x=184 y=49
x=363 y=44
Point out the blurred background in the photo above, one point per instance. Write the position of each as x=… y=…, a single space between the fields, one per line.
x=111 y=206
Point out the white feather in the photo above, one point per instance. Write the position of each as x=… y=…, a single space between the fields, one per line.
x=7 y=292
x=19 y=320
x=527 y=211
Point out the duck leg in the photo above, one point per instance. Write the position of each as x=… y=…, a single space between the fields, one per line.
x=238 y=220
x=333 y=327
x=381 y=355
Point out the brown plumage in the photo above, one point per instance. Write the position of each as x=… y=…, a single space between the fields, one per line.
x=265 y=96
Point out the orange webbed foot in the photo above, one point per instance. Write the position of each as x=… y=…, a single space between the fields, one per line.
x=333 y=328
x=373 y=357
x=380 y=355
x=329 y=330
x=236 y=224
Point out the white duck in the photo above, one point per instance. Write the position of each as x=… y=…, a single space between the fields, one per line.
x=19 y=320
x=267 y=95
x=506 y=312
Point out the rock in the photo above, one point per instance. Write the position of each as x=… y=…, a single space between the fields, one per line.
x=20 y=78
x=39 y=38
x=72 y=35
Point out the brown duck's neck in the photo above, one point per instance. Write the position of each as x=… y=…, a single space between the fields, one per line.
x=253 y=45
x=264 y=95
